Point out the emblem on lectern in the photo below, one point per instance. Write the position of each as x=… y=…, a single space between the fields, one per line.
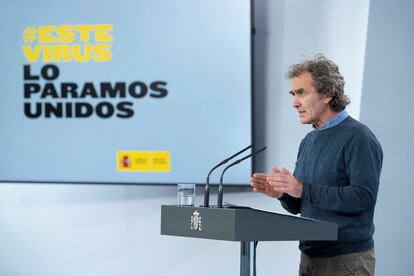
x=196 y=221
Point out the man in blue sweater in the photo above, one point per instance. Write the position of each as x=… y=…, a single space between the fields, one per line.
x=336 y=176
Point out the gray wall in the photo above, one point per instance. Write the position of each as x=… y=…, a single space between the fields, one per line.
x=387 y=107
x=49 y=229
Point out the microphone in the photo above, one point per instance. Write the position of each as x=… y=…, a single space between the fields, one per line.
x=220 y=192
x=207 y=189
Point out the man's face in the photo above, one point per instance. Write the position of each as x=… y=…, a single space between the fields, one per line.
x=312 y=108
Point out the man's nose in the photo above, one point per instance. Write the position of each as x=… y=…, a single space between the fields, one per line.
x=296 y=102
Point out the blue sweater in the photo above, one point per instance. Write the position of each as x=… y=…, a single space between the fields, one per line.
x=340 y=168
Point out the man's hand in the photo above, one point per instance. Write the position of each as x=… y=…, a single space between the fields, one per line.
x=283 y=181
x=260 y=184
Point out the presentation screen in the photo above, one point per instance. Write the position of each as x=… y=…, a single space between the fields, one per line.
x=145 y=91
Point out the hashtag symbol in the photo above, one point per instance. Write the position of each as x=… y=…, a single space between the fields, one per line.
x=29 y=34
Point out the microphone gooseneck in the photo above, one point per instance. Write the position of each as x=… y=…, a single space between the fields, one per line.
x=207 y=187
x=220 y=191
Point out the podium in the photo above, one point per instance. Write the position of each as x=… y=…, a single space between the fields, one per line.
x=245 y=225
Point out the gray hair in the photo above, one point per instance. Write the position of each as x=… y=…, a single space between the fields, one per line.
x=326 y=77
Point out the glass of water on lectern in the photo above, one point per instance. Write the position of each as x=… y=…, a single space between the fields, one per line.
x=186 y=194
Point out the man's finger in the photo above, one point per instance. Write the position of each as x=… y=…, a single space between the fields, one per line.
x=275 y=170
x=286 y=171
x=260 y=175
x=278 y=178
x=258 y=181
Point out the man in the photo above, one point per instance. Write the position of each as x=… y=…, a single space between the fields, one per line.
x=336 y=176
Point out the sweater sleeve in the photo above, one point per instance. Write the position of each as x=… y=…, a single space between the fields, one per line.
x=291 y=204
x=363 y=161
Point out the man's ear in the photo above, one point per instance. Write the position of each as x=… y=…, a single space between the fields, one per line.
x=327 y=99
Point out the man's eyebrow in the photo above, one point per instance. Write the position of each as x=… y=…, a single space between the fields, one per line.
x=293 y=92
